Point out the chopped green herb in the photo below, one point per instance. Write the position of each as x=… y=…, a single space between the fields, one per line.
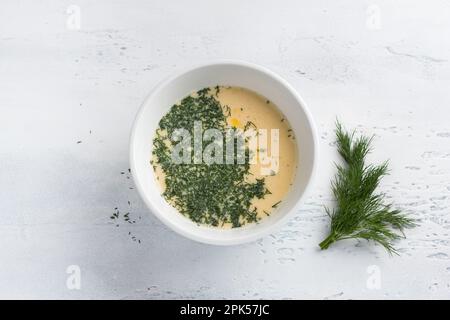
x=249 y=125
x=212 y=194
x=276 y=204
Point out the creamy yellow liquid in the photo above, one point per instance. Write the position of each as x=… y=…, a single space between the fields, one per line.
x=245 y=106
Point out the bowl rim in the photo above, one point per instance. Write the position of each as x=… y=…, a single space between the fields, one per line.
x=269 y=228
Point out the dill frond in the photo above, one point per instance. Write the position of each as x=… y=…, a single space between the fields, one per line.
x=360 y=212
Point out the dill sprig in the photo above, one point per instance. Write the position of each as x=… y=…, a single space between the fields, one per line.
x=360 y=212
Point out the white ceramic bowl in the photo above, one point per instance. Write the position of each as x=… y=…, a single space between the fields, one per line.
x=233 y=73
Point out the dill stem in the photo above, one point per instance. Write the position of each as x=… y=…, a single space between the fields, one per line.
x=328 y=241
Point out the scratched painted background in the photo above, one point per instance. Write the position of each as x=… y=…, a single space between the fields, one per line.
x=73 y=74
